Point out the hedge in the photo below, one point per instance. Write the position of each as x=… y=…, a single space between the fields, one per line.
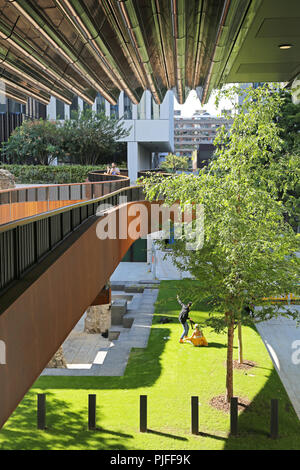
x=39 y=174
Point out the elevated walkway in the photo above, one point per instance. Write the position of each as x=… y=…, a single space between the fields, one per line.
x=53 y=266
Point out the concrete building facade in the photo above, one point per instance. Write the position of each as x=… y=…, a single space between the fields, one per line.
x=196 y=133
x=190 y=132
x=151 y=126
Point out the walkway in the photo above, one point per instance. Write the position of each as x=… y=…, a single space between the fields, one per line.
x=92 y=355
x=280 y=336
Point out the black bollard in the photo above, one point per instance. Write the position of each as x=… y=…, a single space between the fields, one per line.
x=234 y=416
x=143 y=413
x=92 y=412
x=274 y=419
x=41 y=411
x=195 y=415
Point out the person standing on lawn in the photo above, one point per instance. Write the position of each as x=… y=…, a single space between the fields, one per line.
x=184 y=317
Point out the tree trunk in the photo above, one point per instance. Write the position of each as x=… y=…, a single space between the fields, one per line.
x=240 y=340
x=229 y=372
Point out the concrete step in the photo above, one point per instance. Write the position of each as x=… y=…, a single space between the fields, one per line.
x=118 y=310
x=127 y=321
x=134 y=289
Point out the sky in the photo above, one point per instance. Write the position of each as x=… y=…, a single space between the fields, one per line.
x=193 y=103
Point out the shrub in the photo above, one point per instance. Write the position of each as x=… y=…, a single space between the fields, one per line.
x=34 y=143
x=41 y=174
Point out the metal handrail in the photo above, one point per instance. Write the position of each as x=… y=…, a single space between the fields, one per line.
x=10 y=198
x=25 y=242
x=44 y=215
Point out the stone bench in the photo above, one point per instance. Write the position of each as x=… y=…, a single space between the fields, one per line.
x=118 y=310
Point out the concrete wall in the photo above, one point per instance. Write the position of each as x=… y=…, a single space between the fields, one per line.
x=158 y=134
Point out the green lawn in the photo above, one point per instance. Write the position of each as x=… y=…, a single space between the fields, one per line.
x=169 y=373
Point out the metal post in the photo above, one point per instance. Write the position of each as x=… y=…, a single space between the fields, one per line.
x=143 y=413
x=195 y=415
x=41 y=411
x=274 y=419
x=92 y=412
x=234 y=416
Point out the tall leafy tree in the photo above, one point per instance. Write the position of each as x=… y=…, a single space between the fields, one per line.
x=173 y=163
x=90 y=138
x=249 y=250
x=33 y=143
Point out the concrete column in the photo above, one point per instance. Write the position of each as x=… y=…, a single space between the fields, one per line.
x=51 y=109
x=148 y=98
x=132 y=161
x=121 y=104
x=80 y=105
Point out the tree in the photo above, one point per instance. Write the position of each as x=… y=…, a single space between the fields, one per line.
x=249 y=250
x=90 y=138
x=172 y=163
x=33 y=143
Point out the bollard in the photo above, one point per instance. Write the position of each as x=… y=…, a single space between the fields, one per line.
x=234 y=416
x=41 y=411
x=274 y=419
x=92 y=412
x=143 y=413
x=195 y=415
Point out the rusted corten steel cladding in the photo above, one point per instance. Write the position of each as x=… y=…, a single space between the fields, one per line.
x=51 y=302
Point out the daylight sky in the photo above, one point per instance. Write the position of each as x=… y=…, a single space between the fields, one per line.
x=193 y=103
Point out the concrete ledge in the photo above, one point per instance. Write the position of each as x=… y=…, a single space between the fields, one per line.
x=113 y=335
x=135 y=289
x=127 y=322
x=118 y=310
x=117 y=285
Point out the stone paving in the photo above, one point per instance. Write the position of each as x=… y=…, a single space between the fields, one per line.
x=281 y=337
x=92 y=355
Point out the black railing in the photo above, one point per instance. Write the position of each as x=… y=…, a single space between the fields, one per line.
x=24 y=243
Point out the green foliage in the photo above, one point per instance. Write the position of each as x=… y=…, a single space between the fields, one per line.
x=249 y=249
x=172 y=163
x=86 y=139
x=90 y=138
x=289 y=123
x=34 y=143
x=42 y=174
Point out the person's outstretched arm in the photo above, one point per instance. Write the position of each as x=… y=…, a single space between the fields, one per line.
x=179 y=301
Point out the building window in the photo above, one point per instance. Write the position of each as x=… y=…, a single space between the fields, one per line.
x=74 y=106
x=127 y=107
x=100 y=104
x=155 y=110
x=60 y=109
x=114 y=111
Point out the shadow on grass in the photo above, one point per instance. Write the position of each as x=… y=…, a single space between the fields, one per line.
x=65 y=428
x=254 y=421
x=216 y=345
x=143 y=370
x=163 y=434
x=211 y=436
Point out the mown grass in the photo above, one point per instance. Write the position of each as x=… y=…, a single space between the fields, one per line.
x=169 y=373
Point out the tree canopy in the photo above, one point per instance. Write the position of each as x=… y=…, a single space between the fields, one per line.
x=249 y=250
x=86 y=139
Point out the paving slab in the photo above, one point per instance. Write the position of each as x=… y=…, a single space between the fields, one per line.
x=92 y=355
x=281 y=337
